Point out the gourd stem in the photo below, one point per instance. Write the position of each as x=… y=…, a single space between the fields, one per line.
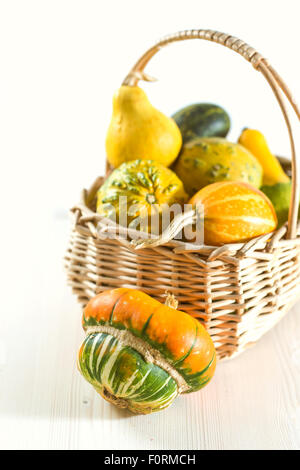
x=171 y=301
x=120 y=402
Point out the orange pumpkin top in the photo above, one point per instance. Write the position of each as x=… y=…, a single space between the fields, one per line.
x=234 y=212
x=180 y=338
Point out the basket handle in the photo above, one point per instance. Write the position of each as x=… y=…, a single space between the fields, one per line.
x=259 y=63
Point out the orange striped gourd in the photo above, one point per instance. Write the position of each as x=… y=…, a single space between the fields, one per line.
x=234 y=212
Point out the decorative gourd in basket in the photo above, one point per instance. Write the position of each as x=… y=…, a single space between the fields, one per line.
x=244 y=274
x=130 y=136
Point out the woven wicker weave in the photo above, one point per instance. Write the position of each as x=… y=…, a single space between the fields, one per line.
x=237 y=291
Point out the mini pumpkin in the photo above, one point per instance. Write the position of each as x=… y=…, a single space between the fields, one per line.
x=137 y=190
x=140 y=354
x=234 y=212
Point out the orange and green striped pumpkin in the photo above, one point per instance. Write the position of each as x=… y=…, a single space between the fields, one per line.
x=140 y=354
x=234 y=212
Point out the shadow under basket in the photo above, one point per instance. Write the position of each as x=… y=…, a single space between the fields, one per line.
x=237 y=291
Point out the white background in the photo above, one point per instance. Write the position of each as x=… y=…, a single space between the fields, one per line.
x=60 y=62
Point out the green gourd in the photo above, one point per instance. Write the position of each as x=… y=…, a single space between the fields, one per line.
x=202 y=120
x=280 y=196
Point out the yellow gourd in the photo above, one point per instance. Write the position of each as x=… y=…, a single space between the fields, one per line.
x=207 y=160
x=255 y=141
x=139 y=131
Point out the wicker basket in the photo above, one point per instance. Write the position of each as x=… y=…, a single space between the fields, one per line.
x=237 y=291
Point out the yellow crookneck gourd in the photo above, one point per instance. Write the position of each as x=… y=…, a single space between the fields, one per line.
x=276 y=183
x=139 y=131
x=256 y=142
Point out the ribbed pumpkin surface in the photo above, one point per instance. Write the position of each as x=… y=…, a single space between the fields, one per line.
x=234 y=212
x=178 y=341
x=122 y=376
x=146 y=185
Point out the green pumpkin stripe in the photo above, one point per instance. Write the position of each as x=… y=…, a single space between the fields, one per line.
x=151 y=354
x=200 y=384
x=186 y=355
x=95 y=345
x=109 y=369
x=122 y=389
x=110 y=321
x=163 y=395
x=143 y=332
x=196 y=381
x=86 y=354
x=103 y=361
x=198 y=374
x=103 y=349
x=153 y=395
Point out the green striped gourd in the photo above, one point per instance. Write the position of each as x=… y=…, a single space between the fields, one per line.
x=202 y=120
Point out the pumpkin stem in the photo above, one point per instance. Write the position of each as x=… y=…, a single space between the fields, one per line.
x=171 y=301
x=120 y=402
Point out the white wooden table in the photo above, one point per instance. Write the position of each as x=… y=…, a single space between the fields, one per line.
x=253 y=402
x=61 y=63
